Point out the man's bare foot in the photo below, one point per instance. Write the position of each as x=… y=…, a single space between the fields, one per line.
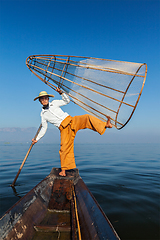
x=62 y=173
x=108 y=124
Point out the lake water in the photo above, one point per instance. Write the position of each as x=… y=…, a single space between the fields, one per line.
x=124 y=178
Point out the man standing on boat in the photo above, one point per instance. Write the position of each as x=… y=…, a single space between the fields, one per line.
x=68 y=126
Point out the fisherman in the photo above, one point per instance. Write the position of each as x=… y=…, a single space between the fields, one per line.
x=68 y=126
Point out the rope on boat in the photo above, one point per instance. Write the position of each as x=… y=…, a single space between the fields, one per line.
x=78 y=225
x=57 y=230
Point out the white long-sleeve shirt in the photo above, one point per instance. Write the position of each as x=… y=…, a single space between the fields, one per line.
x=53 y=114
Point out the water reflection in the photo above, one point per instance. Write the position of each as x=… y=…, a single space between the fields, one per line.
x=15 y=192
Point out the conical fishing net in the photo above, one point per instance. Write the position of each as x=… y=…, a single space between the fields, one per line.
x=99 y=86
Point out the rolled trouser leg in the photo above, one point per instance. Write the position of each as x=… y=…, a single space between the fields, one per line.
x=67 y=149
x=88 y=121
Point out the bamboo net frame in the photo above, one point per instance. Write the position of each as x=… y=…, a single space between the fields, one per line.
x=101 y=87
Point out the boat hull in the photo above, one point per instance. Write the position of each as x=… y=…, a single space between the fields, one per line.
x=57 y=208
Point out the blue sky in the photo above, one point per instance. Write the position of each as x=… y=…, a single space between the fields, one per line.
x=127 y=30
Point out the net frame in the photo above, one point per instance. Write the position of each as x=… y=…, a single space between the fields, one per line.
x=45 y=68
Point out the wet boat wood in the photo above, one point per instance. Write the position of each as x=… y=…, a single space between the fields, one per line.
x=57 y=208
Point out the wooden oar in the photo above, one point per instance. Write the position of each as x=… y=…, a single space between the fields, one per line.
x=12 y=185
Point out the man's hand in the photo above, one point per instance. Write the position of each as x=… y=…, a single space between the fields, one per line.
x=34 y=141
x=59 y=90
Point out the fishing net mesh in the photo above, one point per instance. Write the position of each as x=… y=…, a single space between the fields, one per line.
x=99 y=86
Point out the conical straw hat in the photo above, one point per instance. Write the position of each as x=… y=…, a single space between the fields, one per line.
x=42 y=94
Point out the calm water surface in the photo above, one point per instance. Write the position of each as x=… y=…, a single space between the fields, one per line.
x=124 y=178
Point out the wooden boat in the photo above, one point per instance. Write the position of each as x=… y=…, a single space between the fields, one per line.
x=57 y=208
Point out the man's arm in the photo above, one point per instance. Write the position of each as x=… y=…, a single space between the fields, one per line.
x=65 y=99
x=42 y=132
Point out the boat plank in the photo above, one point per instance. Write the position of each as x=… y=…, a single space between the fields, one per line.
x=92 y=219
x=19 y=220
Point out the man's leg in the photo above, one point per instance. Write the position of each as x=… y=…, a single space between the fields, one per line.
x=90 y=122
x=68 y=134
x=67 y=150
